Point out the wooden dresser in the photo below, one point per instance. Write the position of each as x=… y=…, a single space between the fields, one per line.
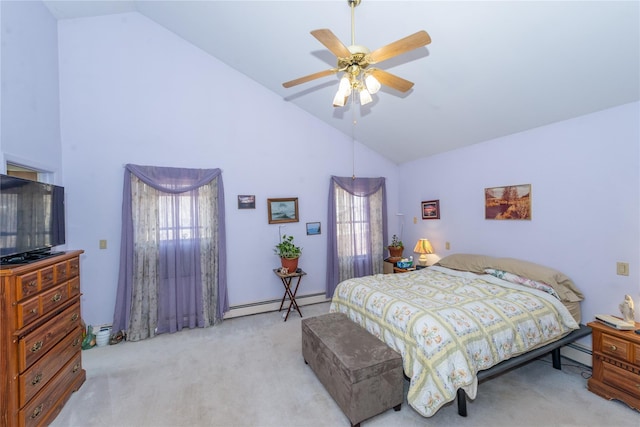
x=616 y=364
x=40 y=339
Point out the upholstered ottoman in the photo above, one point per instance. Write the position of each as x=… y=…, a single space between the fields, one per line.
x=362 y=374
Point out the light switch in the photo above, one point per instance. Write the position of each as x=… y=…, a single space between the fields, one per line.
x=447 y=246
x=103 y=244
x=622 y=268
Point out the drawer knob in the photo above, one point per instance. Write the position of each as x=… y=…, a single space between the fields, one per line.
x=37 y=411
x=76 y=367
x=76 y=342
x=34 y=311
x=32 y=283
x=613 y=348
x=37 y=346
x=56 y=297
x=36 y=379
x=74 y=317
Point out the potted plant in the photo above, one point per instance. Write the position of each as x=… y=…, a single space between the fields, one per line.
x=395 y=249
x=288 y=253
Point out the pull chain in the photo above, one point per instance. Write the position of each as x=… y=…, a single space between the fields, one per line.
x=353 y=138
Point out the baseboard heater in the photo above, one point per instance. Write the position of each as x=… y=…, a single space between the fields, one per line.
x=272 y=305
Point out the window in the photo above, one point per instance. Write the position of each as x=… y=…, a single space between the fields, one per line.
x=357 y=226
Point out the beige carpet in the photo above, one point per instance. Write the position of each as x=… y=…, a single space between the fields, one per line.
x=249 y=371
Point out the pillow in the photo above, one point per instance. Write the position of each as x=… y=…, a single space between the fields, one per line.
x=466 y=262
x=519 y=280
x=563 y=286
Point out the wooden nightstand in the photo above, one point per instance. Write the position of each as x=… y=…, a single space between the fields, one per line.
x=616 y=364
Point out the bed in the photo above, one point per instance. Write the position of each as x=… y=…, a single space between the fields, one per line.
x=460 y=318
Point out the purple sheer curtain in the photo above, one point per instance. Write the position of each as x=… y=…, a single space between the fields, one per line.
x=357 y=225
x=173 y=251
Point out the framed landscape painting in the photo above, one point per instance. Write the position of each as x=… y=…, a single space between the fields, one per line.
x=508 y=202
x=283 y=210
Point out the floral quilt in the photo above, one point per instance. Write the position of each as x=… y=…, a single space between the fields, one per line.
x=448 y=325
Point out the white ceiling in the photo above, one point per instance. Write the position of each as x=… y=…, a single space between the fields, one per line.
x=493 y=68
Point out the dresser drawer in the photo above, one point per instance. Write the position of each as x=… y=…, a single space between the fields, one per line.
x=55 y=297
x=61 y=270
x=74 y=287
x=26 y=285
x=614 y=346
x=41 y=372
x=47 y=279
x=74 y=267
x=28 y=311
x=621 y=379
x=37 y=343
x=37 y=410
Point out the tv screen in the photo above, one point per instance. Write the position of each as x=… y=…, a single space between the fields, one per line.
x=31 y=218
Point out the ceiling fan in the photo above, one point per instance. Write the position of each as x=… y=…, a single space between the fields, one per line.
x=354 y=61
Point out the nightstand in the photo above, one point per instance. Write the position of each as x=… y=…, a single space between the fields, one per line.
x=404 y=270
x=616 y=364
x=392 y=267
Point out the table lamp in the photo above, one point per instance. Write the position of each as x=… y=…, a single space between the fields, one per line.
x=423 y=247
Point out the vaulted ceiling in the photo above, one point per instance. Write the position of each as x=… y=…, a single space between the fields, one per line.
x=493 y=68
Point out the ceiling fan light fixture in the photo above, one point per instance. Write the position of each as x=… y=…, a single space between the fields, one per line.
x=372 y=84
x=344 y=90
x=345 y=86
x=365 y=96
x=339 y=100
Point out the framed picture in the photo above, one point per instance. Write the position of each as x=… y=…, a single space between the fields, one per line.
x=246 y=202
x=313 y=228
x=283 y=210
x=508 y=202
x=431 y=209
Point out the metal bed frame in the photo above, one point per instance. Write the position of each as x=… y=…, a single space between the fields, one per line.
x=553 y=348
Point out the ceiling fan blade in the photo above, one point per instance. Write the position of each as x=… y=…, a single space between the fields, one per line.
x=331 y=42
x=310 y=77
x=414 y=41
x=391 y=80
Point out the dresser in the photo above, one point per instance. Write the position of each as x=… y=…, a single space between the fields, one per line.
x=616 y=364
x=40 y=339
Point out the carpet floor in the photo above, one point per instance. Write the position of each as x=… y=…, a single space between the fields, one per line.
x=249 y=371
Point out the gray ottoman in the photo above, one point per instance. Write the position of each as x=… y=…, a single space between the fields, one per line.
x=362 y=374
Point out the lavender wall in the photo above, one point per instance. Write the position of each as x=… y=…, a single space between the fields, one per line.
x=30 y=120
x=132 y=92
x=585 y=193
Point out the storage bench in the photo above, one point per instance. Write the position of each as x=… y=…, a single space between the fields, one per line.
x=362 y=374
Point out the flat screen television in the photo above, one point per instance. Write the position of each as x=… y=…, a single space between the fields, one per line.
x=31 y=219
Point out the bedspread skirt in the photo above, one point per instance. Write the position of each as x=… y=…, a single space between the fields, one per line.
x=448 y=325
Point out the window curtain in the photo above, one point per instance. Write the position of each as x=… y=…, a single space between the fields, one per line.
x=173 y=251
x=357 y=229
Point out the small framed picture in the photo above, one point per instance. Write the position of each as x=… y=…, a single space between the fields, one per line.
x=246 y=202
x=283 y=210
x=431 y=209
x=313 y=228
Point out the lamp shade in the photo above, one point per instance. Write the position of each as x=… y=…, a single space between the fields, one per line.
x=423 y=247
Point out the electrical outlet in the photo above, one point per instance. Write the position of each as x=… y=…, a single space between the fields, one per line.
x=622 y=268
x=447 y=246
x=103 y=244
x=415 y=219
